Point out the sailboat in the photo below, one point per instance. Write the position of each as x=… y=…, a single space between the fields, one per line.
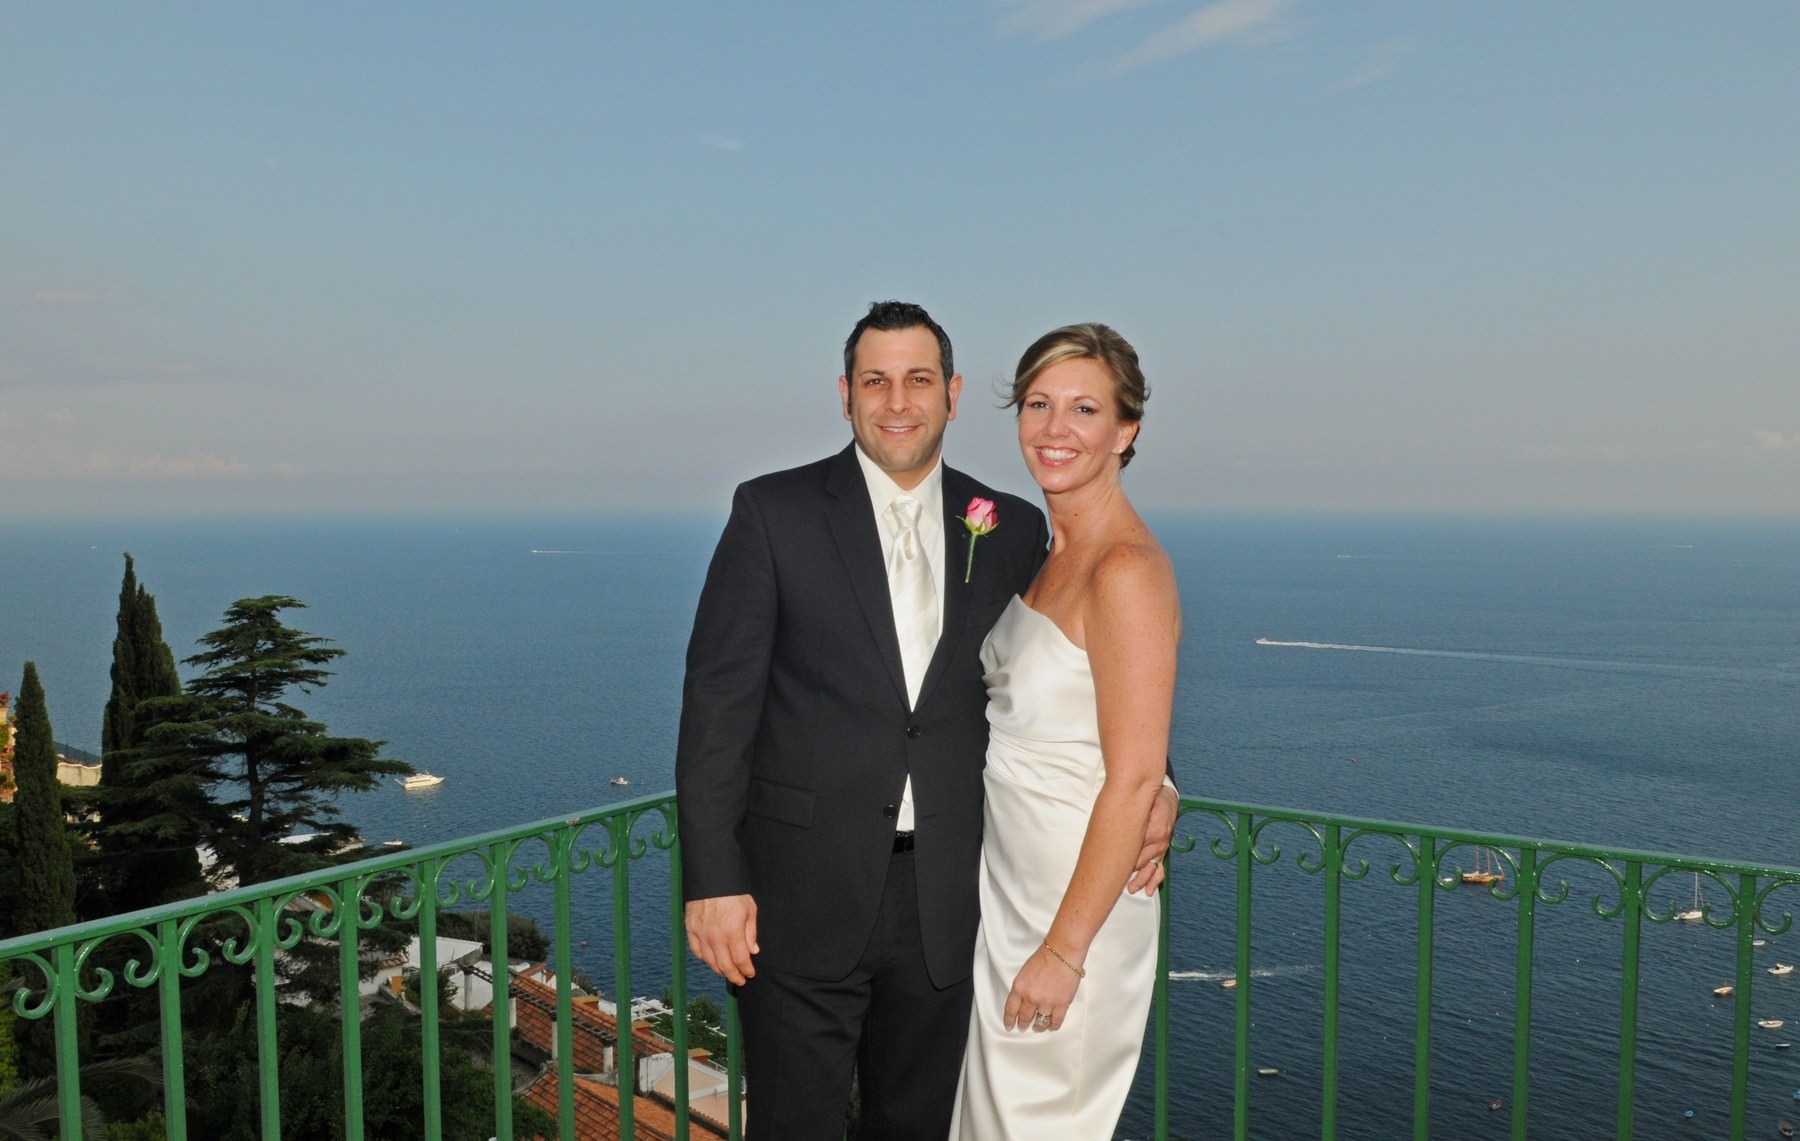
x=1698 y=911
x=1488 y=868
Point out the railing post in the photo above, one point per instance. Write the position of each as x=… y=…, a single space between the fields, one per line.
x=564 y=849
x=734 y=1067
x=1334 y=883
x=500 y=857
x=168 y=996
x=431 y=1073
x=1747 y=908
x=1428 y=887
x=350 y=1007
x=1522 y=974
x=624 y=1053
x=1633 y=892
x=268 y=1049
x=1240 y=1093
x=678 y=993
x=68 y=1041
x=1160 y=1008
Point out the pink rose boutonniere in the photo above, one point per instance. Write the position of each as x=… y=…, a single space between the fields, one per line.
x=980 y=518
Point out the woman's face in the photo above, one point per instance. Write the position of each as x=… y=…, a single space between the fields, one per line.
x=1070 y=431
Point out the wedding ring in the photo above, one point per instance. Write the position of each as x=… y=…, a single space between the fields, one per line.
x=1041 y=1020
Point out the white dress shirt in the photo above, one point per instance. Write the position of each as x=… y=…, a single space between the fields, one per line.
x=930 y=494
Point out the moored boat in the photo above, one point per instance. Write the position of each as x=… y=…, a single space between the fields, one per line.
x=1781 y=969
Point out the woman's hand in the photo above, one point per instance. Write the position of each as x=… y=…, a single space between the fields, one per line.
x=1044 y=987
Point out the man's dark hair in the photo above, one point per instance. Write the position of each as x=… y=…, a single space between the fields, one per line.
x=889 y=316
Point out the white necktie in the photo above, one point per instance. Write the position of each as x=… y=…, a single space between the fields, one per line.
x=913 y=593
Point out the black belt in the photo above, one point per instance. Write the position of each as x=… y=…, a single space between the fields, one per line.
x=903 y=842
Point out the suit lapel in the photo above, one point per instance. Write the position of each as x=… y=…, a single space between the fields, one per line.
x=851 y=518
x=953 y=593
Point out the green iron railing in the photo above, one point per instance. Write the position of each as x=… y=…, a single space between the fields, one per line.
x=1268 y=864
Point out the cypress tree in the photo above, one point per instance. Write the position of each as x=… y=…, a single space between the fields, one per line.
x=46 y=870
x=149 y=812
x=143 y=667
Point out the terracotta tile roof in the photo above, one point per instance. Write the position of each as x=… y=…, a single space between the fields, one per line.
x=597 y=1111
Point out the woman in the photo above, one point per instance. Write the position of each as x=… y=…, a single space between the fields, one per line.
x=1081 y=677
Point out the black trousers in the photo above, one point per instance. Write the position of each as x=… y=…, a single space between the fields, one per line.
x=885 y=1021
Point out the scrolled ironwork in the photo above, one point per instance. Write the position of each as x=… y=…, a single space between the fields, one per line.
x=1710 y=915
x=21 y=1003
x=1761 y=908
x=1557 y=892
x=1272 y=855
x=1504 y=888
x=1405 y=875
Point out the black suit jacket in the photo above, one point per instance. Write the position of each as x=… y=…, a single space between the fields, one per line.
x=796 y=738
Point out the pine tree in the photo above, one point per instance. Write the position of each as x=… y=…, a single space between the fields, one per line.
x=46 y=870
x=282 y=771
x=149 y=812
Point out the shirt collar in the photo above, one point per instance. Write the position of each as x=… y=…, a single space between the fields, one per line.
x=883 y=489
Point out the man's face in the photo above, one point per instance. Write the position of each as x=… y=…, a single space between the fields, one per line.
x=898 y=400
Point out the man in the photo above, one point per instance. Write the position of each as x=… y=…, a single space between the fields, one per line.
x=833 y=731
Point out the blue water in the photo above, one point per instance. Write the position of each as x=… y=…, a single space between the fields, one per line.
x=1633 y=682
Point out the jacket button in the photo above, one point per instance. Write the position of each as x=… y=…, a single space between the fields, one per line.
x=913 y=732
x=890 y=810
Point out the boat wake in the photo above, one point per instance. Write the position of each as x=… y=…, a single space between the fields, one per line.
x=1221 y=976
x=1598 y=664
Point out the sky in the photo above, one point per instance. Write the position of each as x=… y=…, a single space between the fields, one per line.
x=1376 y=256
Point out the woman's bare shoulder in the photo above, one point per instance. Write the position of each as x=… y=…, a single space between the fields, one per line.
x=1134 y=576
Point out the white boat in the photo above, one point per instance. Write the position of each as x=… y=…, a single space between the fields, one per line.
x=1769 y=1023
x=1266 y=1071
x=1228 y=983
x=417 y=781
x=1723 y=991
x=1698 y=911
x=1781 y=969
x=620 y=781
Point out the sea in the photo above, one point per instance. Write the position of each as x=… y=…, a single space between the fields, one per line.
x=1621 y=681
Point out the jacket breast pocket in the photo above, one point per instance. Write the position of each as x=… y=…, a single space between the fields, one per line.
x=781 y=802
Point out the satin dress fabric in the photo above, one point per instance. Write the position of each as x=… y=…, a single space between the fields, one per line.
x=1043 y=774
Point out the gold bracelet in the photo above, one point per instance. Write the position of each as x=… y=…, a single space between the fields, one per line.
x=1058 y=956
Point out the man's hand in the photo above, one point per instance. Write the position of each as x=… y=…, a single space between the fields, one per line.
x=721 y=933
x=1149 y=873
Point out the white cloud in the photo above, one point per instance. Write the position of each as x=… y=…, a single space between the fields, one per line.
x=194 y=465
x=1054 y=19
x=1774 y=441
x=723 y=142
x=1380 y=62
x=64 y=297
x=1253 y=20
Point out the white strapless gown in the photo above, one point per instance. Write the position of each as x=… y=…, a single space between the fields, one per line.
x=1043 y=773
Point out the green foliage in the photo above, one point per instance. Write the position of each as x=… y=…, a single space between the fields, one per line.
x=706 y=1023
x=30 y=1111
x=153 y=1126
x=524 y=938
x=46 y=873
x=9 y=1048
x=234 y=732
x=150 y=804
x=143 y=666
x=223 y=1090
